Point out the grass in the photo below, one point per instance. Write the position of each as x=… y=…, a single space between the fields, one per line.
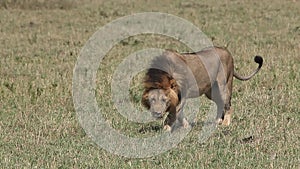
x=39 y=48
x=38 y=4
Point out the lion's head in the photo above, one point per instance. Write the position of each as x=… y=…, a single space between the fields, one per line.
x=160 y=101
x=161 y=94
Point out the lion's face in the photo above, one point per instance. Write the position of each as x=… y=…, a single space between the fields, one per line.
x=159 y=102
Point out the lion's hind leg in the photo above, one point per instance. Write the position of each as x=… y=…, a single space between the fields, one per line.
x=215 y=95
x=226 y=112
x=227 y=117
x=227 y=91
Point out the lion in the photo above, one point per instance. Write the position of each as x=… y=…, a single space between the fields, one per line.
x=174 y=77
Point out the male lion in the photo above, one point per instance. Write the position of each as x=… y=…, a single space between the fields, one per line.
x=174 y=77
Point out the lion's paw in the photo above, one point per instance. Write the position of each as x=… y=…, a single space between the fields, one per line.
x=185 y=123
x=167 y=128
x=219 y=121
x=226 y=121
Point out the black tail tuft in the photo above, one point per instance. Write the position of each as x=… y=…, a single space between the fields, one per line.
x=259 y=60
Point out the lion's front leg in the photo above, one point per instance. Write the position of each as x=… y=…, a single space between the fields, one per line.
x=176 y=113
x=180 y=115
x=170 y=120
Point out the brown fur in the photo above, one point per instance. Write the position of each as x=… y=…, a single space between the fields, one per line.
x=189 y=75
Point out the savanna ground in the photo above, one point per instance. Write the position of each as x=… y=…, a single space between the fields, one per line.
x=41 y=40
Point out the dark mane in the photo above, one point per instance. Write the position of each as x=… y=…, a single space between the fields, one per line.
x=157 y=79
x=167 y=71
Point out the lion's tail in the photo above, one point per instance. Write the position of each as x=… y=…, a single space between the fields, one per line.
x=257 y=59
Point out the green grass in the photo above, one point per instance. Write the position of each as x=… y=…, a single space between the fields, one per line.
x=40 y=42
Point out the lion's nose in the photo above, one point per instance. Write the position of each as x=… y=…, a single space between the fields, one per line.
x=157 y=114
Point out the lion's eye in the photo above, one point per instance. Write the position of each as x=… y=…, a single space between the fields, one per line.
x=164 y=99
x=152 y=100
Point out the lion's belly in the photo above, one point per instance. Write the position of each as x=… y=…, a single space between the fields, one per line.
x=198 y=89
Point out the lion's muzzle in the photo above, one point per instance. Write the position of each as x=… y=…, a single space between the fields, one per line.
x=157 y=115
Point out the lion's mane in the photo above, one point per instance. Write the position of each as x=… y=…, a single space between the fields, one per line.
x=168 y=72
